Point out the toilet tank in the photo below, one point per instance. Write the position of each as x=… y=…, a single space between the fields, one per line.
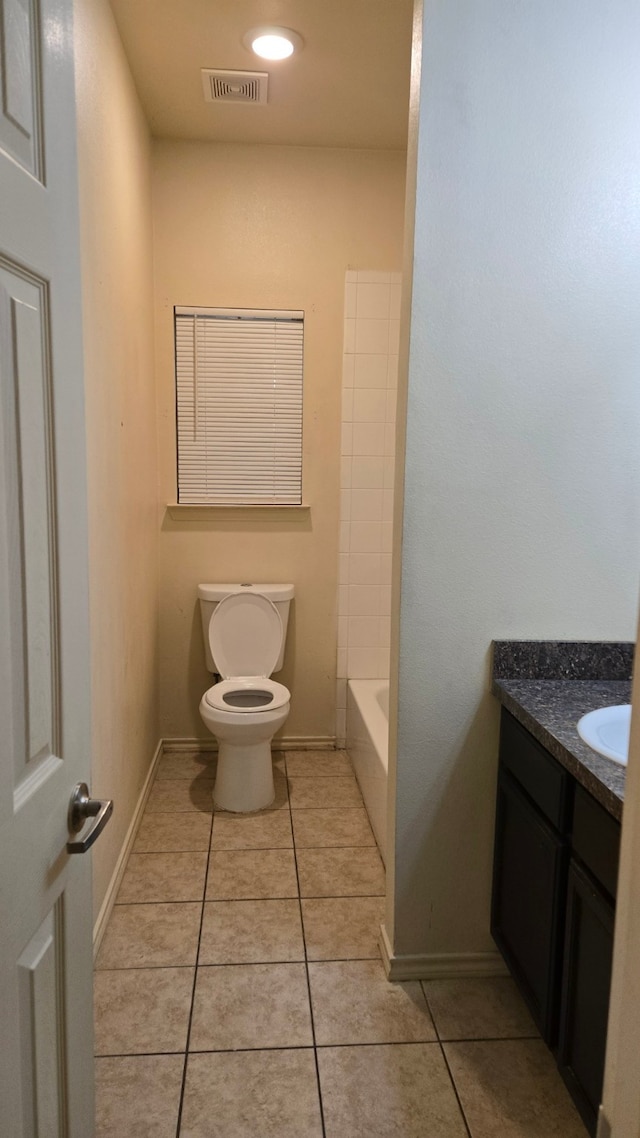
x=209 y=595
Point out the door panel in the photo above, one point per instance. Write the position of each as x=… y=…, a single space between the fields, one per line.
x=46 y=1063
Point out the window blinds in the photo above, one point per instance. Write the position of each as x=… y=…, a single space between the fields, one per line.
x=239 y=406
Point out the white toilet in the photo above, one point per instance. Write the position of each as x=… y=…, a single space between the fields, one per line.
x=244 y=629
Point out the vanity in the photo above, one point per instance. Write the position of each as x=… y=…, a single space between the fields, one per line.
x=557 y=842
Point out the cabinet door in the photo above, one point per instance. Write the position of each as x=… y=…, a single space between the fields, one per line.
x=585 y=991
x=528 y=900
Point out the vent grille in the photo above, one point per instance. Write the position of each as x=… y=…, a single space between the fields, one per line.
x=235 y=86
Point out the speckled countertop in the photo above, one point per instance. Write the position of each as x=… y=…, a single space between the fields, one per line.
x=547 y=686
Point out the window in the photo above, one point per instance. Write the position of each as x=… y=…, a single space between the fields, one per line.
x=239 y=406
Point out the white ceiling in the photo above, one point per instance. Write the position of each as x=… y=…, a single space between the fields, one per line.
x=349 y=86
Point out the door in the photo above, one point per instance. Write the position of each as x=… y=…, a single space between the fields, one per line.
x=45 y=894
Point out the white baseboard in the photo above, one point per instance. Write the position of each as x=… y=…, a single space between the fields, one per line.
x=288 y=743
x=434 y=966
x=110 y=896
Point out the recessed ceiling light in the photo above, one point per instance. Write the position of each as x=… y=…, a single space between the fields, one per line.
x=272 y=43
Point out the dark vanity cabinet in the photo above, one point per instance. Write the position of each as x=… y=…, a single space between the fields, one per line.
x=555 y=870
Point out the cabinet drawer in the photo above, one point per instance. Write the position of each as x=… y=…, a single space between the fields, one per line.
x=546 y=782
x=596 y=839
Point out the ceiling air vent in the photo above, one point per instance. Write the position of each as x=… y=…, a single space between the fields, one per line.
x=235 y=86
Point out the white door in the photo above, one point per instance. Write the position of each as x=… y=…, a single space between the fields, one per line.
x=46 y=1064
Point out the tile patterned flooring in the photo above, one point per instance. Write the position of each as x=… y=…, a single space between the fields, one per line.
x=239 y=991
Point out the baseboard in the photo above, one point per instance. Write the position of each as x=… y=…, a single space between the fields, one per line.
x=433 y=966
x=288 y=743
x=112 y=891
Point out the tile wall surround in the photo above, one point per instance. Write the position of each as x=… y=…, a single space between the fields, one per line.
x=369 y=381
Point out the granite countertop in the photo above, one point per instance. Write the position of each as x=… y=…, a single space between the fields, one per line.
x=548 y=685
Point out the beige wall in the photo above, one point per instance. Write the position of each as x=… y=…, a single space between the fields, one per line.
x=115 y=206
x=522 y=472
x=250 y=226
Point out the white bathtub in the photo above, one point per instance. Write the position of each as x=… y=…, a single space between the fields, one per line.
x=368 y=747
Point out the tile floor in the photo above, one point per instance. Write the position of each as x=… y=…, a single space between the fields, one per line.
x=240 y=994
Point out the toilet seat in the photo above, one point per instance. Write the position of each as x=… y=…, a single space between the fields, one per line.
x=248 y=690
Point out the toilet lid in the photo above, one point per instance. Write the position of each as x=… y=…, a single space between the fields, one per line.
x=245 y=635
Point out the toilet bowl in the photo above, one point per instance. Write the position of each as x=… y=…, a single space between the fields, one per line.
x=245 y=635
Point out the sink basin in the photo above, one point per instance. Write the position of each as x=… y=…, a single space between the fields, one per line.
x=607 y=731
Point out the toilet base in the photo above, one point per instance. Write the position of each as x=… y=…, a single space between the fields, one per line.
x=244 y=778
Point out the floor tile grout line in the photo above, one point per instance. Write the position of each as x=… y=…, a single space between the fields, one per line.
x=306 y=969
x=446 y=1062
x=193 y=989
x=455 y=1090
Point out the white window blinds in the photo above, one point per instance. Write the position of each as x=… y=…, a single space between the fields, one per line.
x=239 y=406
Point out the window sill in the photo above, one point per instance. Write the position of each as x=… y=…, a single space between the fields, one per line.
x=180 y=511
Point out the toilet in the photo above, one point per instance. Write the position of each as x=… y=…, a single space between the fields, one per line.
x=244 y=628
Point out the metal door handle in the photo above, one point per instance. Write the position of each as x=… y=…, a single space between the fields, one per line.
x=82 y=807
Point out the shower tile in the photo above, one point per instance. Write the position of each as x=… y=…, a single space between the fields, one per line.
x=150 y=936
x=389 y=440
x=341 y=703
x=401 y=1091
x=166 y=833
x=251 y=1006
x=186 y=765
x=347 y=404
x=390 y=405
x=345 y=537
x=369 y=405
x=309 y=793
x=392 y=371
x=248 y=932
x=364 y=632
x=364 y=600
x=387 y=506
x=340 y=872
x=389 y=472
x=319 y=764
x=512 y=1088
x=366 y=537
x=367 y=472
x=341 y=663
x=362 y=663
x=138 y=1095
x=371 y=336
x=394 y=337
x=353 y=1002
x=273 y=1094
x=343 y=600
x=267 y=830
x=349 y=336
x=370 y=370
x=373 y=301
x=368 y=439
x=385 y=600
x=142 y=1010
x=395 y=297
x=251 y=874
x=366 y=505
x=348 y=370
x=178 y=795
x=373 y=276
x=343 y=630
x=163 y=877
x=342 y=928
x=386 y=568
x=346 y=444
x=345 y=505
x=350 y=298
x=343 y=568
x=326 y=828
x=365 y=569
x=386 y=544
x=478 y=1008
x=341 y=726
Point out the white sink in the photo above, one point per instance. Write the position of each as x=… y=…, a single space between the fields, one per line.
x=607 y=731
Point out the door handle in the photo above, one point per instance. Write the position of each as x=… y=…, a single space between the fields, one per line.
x=82 y=807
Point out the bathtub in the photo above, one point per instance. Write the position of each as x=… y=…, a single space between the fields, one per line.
x=368 y=747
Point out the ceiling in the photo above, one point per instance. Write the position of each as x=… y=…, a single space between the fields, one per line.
x=349 y=86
